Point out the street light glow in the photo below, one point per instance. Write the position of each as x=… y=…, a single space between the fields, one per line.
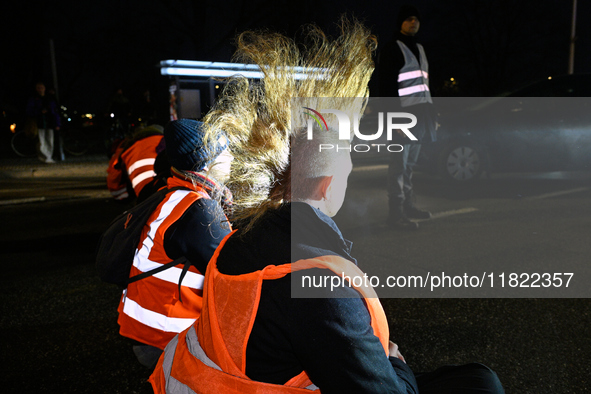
x=193 y=68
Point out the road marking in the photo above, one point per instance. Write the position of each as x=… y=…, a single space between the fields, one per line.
x=444 y=214
x=22 y=200
x=561 y=193
x=19 y=190
x=47 y=185
x=370 y=168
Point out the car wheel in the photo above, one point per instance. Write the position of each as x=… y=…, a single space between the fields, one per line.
x=461 y=162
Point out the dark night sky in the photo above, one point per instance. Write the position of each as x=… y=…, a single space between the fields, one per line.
x=488 y=46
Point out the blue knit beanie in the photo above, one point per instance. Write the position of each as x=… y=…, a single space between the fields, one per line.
x=185 y=148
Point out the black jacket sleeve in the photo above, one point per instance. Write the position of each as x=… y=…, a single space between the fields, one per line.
x=390 y=61
x=197 y=233
x=335 y=342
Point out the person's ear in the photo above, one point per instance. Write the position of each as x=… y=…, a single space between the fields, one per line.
x=325 y=187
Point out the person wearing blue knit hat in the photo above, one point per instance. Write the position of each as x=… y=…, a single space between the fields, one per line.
x=187 y=226
x=186 y=149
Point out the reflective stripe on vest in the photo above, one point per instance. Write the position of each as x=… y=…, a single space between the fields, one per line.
x=120 y=194
x=141 y=177
x=163 y=382
x=413 y=77
x=139 y=161
x=142 y=260
x=215 y=363
x=153 y=319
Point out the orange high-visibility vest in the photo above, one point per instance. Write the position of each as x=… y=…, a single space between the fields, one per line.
x=138 y=161
x=150 y=311
x=209 y=357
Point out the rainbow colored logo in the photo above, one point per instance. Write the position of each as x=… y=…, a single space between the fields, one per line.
x=317 y=117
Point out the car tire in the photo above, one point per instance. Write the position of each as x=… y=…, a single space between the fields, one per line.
x=461 y=162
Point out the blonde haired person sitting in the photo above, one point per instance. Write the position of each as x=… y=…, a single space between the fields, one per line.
x=252 y=336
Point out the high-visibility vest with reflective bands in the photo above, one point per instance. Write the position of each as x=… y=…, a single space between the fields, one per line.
x=149 y=310
x=209 y=357
x=138 y=162
x=413 y=77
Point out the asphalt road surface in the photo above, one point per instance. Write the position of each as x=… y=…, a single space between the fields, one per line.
x=59 y=330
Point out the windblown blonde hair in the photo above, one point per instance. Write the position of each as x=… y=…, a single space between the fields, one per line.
x=257 y=116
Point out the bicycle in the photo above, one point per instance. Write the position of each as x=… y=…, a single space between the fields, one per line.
x=24 y=144
x=73 y=140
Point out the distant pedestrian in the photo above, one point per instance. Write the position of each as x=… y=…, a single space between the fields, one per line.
x=119 y=105
x=58 y=137
x=146 y=109
x=43 y=111
x=119 y=113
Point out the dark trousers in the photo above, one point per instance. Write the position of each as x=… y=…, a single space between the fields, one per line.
x=59 y=145
x=399 y=184
x=400 y=168
x=461 y=379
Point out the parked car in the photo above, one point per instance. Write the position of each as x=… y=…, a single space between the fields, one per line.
x=543 y=127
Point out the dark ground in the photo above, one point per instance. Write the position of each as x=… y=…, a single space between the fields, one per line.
x=59 y=330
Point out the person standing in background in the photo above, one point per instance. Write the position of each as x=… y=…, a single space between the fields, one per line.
x=43 y=110
x=404 y=73
x=146 y=111
x=58 y=137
